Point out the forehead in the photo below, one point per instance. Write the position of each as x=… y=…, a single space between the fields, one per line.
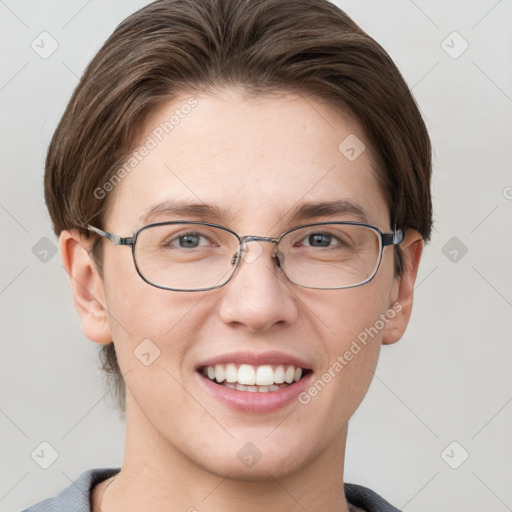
x=252 y=158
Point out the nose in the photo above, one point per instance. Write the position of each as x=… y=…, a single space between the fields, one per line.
x=259 y=296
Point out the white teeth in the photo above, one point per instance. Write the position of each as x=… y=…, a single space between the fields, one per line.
x=279 y=375
x=231 y=373
x=288 y=376
x=220 y=373
x=264 y=375
x=253 y=378
x=246 y=375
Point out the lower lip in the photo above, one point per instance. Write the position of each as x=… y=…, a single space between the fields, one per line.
x=256 y=402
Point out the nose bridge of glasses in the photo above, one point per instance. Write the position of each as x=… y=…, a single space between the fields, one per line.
x=252 y=238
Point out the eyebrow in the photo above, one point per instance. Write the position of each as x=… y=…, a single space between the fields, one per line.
x=172 y=207
x=302 y=212
x=345 y=207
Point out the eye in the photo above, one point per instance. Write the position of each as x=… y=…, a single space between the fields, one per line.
x=188 y=241
x=318 y=240
x=324 y=239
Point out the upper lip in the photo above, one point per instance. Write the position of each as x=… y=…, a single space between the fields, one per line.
x=256 y=359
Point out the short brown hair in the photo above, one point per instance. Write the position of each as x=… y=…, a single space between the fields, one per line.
x=172 y=47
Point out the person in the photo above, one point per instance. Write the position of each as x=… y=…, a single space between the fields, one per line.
x=242 y=193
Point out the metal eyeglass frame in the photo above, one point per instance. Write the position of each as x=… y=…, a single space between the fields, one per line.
x=386 y=239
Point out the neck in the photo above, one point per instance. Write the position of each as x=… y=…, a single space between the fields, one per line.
x=157 y=476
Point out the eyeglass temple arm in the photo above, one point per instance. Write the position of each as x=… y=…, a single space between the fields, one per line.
x=116 y=239
x=394 y=238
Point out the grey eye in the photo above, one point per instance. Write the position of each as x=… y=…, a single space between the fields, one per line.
x=191 y=240
x=319 y=240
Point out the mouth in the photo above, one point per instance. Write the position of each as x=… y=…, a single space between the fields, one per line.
x=265 y=378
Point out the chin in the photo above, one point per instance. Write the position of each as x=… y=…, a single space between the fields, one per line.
x=246 y=462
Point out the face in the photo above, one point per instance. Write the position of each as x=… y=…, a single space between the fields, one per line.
x=254 y=161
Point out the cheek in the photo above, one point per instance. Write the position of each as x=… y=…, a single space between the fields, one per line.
x=354 y=349
x=355 y=320
x=153 y=331
x=347 y=314
x=145 y=319
x=124 y=291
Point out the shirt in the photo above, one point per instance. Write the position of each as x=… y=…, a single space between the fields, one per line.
x=77 y=496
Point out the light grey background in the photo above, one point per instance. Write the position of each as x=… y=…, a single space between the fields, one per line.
x=448 y=380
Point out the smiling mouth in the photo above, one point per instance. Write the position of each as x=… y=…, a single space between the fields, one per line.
x=257 y=379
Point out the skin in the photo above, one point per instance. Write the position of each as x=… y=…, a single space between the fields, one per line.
x=256 y=159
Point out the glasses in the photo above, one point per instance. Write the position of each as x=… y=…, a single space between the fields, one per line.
x=198 y=256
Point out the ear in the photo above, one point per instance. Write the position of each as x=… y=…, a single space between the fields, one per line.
x=402 y=295
x=86 y=286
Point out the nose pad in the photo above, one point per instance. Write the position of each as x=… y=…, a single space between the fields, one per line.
x=257 y=300
x=235 y=258
x=252 y=252
x=241 y=255
x=277 y=259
